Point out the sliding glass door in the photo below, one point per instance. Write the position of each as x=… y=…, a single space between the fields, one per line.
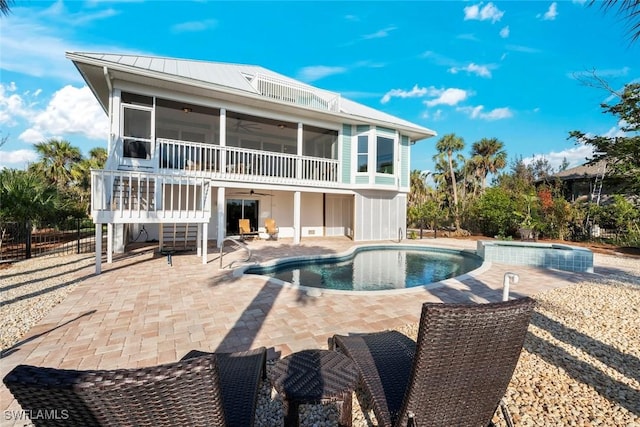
x=238 y=209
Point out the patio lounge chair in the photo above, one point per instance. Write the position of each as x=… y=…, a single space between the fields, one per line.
x=457 y=372
x=196 y=391
x=245 y=229
x=271 y=228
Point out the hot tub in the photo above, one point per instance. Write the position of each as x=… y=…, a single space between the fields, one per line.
x=544 y=255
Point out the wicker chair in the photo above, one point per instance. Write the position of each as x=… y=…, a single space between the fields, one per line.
x=189 y=392
x=457 y=372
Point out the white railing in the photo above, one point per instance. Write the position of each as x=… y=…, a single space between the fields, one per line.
x=118 y=196
x=241 y=164
x=308 y=96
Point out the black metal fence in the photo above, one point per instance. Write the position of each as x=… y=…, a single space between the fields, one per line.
x=70 y=236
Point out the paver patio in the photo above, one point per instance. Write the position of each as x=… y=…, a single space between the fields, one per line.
x=142 y=311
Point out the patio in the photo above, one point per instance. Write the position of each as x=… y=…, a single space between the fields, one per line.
x=141 y=311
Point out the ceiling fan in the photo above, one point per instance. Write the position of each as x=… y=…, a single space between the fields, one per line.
x=246 y=126
x=250 y=193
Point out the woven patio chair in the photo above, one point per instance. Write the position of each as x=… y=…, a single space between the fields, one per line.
x=457 y=372
x=188 y=392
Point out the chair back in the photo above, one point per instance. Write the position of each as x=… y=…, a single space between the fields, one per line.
x=180 y=393
x=244 y=226
x=465 y=358
x=270 y=226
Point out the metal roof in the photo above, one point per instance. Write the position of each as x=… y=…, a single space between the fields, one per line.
x=220 y=76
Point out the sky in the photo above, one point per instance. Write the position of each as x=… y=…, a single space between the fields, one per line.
x=511 y=70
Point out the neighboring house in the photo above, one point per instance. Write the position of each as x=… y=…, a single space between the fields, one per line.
x=587 y=183
x=196 y=146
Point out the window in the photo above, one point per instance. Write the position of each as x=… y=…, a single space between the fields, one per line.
x=384 y=155
x=136 y=132
x=363 y=153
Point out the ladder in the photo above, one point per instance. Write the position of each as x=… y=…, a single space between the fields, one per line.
x=597 y=184
x=597 y=192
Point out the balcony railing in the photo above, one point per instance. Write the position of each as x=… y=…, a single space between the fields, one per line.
x=124 y=196
x=298 y=94
x=241 y=164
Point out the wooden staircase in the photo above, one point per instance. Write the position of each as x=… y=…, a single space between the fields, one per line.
x=179 y=236
x=130 y=194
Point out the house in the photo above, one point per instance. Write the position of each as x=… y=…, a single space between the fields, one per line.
x=194 y=147
x=586 y=183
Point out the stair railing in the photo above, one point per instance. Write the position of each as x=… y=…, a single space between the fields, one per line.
x=237 y=243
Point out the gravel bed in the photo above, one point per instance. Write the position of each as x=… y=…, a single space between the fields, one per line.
x=30 y=288
x=580 y=364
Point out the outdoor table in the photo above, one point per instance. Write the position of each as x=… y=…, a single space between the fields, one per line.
x=315 y=376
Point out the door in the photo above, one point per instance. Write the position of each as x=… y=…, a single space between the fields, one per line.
x=241 y=209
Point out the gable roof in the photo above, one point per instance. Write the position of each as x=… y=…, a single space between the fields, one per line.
x=582 y=171
x=236 y=79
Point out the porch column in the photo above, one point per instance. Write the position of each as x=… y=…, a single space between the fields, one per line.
x=222 y=167
x=198 y=237
x=98 y=248
x=221 y=224
x=299 y=152
x=205 y=233
x=109 y=243
x=296 y=218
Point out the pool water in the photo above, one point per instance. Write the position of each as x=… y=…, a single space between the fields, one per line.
x=373 y=269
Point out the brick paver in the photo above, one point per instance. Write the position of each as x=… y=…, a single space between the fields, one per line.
x=142 y=311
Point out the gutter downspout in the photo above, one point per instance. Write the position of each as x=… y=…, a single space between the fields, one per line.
x=105 y=70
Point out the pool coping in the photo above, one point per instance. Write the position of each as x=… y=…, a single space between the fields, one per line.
x=315 y=292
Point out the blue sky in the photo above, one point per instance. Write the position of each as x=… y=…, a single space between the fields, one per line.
x=477 y=69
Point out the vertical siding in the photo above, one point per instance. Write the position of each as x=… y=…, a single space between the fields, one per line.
x=404 y=162
x=389 y=133
x=379 y=217
x=347 y=147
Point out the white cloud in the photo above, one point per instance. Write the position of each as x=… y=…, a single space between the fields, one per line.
x=317 y=72
x=415 y=92
x=488 y=12
x=504 y=33
x=352 y=18
x=379 y=34
x=72 y=111
x=551 y=13
x=579 y=1
x=449 y=96
x=479 y=70
x=34 y=41
x=523 y=49
x=17 y=158
x=194 y=26
x=13 y=106
x=478 y=113
x=436 y=116
x=576 y=156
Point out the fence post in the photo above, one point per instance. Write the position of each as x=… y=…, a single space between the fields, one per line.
x=28 y=242
x=78 y=243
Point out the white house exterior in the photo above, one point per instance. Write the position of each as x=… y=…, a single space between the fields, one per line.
x=195 y=146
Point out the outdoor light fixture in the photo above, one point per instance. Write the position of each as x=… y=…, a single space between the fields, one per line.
x=187 y=109
x=281 y=126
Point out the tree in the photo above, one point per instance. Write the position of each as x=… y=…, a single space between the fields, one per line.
x=448 y=145
x=5 y=7
x=24 y=197
x=56 y=160
x=488 y=156
x=622 y=153
x=628 y=9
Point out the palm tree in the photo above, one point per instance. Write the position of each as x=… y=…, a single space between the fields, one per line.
x=81 y=175
x=5 y=7
x=418 y=187
x=488 y=157
x=448 y=145
x=628 y=9
x=57 y=158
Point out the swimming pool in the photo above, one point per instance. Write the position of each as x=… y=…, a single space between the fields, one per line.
x=371 y=268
